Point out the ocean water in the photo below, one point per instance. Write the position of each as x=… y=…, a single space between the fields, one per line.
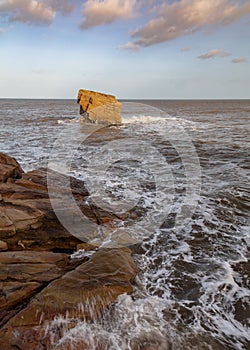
x=180 y=171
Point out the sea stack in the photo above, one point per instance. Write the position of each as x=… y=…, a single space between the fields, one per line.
x=99 y=108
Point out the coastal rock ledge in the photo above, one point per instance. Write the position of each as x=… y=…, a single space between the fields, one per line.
x=39 y=278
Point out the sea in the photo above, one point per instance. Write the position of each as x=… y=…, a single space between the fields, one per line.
x=178 y=172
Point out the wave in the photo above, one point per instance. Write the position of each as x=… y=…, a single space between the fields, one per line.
x=142 y=119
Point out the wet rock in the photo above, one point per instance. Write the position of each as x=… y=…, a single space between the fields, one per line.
x=15 y=292
x=9 y=168
x=80 y=294
x=23 y=273
x=99 y=108
x=37 y=284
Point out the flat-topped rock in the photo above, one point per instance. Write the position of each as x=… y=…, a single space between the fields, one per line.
x=99 y=108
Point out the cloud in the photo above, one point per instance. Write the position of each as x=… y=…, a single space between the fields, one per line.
x=185 y=17
x=2 y=30
x=100 y=12
x=214 y=53
x=28 y=11
x=239 y=60
x=63 y=6
x=130 y=46
x=186 y=49
x=34 y=11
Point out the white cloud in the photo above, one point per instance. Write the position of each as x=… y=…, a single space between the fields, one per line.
x=2 y=30
x=185 y=17
x=63 y=6
x=239 y=60
x=28 y=11
x=214 y=53
x=130 y=46
x=34 y=11
x=99 y=12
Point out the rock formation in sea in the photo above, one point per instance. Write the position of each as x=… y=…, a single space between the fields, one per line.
x=39 y=279
x=99 y=108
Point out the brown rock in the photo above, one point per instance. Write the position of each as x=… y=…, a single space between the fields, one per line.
x=83 y=293
x=16 y=292
x=9 y=168
x=32 y=266
x=33 y=257
x=85 y=246
x=22 y=217
x=23 y=273
x=99 y=108
x=3 y=246
x=27 y=220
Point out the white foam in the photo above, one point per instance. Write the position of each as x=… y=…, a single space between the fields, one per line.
x=82 y=253
x=133 y=322
x=143 y=119
x=67 y=121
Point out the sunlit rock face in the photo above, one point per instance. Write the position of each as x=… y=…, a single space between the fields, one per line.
x=99 y=108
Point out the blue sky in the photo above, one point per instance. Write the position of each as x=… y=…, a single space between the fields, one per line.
x=185 y=49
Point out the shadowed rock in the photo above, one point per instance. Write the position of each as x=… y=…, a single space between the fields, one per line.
x=9 y=168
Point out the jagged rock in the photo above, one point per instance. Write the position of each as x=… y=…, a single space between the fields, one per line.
x=27 y=220
x=99 y=108
x=80 y=294
x=35 y=286
x=9 y=168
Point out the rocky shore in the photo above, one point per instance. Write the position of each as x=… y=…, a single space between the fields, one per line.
x=39 y=279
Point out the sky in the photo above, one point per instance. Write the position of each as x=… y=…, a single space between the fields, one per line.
x=136 y=49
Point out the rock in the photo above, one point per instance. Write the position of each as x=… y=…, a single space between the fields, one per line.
x=9 y=168
x=99 y=108
x=27 y=220
x=33 y=257
x=16 y=292
x=80 y=294
x=86 y=246
x=3 y=246
x=37 y=280
x=23 y=273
